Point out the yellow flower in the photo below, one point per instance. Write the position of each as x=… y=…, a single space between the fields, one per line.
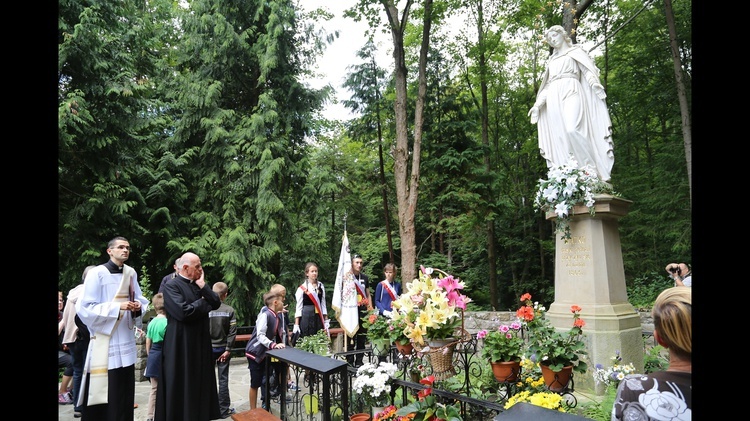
x=547 y=400
x=426 y=319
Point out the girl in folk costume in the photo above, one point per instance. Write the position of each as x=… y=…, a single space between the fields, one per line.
x=311 y=313
x=387 y=290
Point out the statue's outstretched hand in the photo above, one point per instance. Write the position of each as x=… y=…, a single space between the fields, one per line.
x=534 y=114
x=599 y=90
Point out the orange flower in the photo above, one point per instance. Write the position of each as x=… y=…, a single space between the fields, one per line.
x=526 y=297
x=525 y=313
x=373 y=317
x=575 y=309
x=579 y=323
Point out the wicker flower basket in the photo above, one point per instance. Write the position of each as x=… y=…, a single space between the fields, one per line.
x=441 y=358
x=441 y=352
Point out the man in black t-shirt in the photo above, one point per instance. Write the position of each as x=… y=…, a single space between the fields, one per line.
x=360 y=338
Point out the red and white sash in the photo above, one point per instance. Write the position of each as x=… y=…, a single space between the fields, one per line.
x=389 y=288
x=360 y=290
x=314 y=298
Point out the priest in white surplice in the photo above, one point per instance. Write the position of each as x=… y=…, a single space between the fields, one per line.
x=111 y=302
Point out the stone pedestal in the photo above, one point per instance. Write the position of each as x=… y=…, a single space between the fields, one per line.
x=589 y=272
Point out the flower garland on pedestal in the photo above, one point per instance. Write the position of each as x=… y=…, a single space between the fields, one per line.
x=567 y=186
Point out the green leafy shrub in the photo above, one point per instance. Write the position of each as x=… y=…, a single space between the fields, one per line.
x=655 y=359
x=317 y=343
x=642 y=291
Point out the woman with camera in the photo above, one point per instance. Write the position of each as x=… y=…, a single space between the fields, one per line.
x=681 y=273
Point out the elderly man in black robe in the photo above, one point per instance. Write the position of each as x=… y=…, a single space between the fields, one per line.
x=187 y=387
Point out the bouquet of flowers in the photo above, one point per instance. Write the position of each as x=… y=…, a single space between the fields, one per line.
x=549 y=400
x=389 y=414
x=373 y=382
x=613 y=374
x=430 y=306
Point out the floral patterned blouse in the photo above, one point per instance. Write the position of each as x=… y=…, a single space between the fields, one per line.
x=663 y=395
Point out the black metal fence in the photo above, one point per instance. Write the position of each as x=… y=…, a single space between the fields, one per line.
x=470 y=384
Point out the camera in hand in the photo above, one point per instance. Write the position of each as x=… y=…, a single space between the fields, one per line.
x=676 y=269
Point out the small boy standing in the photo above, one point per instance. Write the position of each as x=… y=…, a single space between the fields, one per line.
x=269 y=333
x=154 y=341
x=223 y=328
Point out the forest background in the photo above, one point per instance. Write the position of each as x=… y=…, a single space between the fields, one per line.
x=191 y=129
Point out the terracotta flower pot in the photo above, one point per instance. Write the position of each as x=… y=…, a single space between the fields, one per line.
x=359 y=417
x=405 y=349
x=557 y=381
x=506 y=371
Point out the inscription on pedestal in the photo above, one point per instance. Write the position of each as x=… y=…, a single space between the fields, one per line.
x=576 y=255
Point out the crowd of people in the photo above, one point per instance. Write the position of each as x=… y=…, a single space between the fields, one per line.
x=98 y=327
x=190 y=339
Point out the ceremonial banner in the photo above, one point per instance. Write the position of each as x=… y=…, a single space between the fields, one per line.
x=344 y=300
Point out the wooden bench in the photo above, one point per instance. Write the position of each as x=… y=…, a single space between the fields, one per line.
x=256 y=414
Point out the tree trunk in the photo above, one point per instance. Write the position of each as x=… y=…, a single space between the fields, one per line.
x=491 y=252
x=687 y=134
x=384 y=186
x=407 y=183
x=572 y=15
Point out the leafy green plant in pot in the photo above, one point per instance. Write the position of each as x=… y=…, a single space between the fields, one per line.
x=396 y=331
x=377 y=331
x=550 y=348
x=503 y=347
x=503 y=344
x=318 y=343
x=376 y=325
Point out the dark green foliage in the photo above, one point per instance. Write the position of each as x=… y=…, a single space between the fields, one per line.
x=643 y=290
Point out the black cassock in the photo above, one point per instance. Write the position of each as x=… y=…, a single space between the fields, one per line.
x=187 y=386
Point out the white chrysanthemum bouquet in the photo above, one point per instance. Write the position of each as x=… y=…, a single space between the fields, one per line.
x=373 y=382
